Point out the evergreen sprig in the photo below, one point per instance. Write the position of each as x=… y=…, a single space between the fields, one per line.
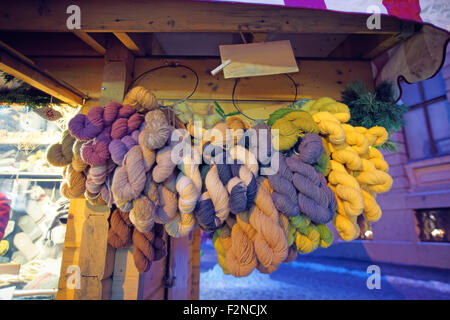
x=376 y=108
x=25 y=94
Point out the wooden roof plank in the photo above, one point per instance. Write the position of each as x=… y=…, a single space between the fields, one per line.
x=90 y=41
x=361 y=46
x=38 y=78
x=175 y=16
x=130 y=43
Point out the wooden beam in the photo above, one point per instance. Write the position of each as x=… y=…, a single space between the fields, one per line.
x=129 y=43
x=90 y=41
x=314 y=79
x=25 y=70
x=51 y=44
x=364 y=46
x=382 y=44
x=117 y=72
x=172 y=16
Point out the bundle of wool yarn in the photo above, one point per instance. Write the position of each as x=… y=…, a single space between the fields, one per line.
x=148 y=246
x=267 y=192
x=351 y=163
x=236 y=202
x=301 y=193
x=119 y=155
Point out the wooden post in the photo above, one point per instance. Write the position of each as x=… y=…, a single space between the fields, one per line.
x=94 y=256
x=117 y=73
x=185 y=267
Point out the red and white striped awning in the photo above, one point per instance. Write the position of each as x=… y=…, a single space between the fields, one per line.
x=434 y=12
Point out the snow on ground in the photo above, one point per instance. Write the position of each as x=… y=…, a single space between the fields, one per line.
x=435 y=285
x=311 y=277
x=215 y=285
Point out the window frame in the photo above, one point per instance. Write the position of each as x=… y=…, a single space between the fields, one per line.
x=424 y=106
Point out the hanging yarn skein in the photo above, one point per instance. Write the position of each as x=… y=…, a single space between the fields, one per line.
x=240 y=258
x=61 y=154
x=315 y=199
x=308 y=236
x=270 y=241
x=128 y=157
x=289 y=127
x=212 y=208
x=140 y=99
x=121 y=229
x=351 y=148
x=148 y=247
x=188 y=186
x=284 y=196
x=96 y=151
x=129 y=178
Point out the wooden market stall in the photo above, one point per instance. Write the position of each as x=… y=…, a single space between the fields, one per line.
x=121 y=39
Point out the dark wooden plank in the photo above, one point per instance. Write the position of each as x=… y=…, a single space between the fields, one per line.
x=90 y=41
x=195 y=264
x=364 y=46
x=132 y=43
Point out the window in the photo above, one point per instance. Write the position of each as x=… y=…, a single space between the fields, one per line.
x=427 y=129
x=34 y=237
x=434 y=224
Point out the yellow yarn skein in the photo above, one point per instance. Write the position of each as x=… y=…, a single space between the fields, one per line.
x=357 y=140
x=372 y=211
x=374 y=155
x=330 y=127
x=346 y=188
x=358 y=159
x=346 y=226
x=4 y=247
x=339 y=110
x=347 y=156
x=372 y=179
x=308 y=236
x=376 y=135
x=290 y=127
x=307 y=243
x=222 y=243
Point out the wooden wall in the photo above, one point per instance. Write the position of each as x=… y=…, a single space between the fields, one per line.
x=258 y=95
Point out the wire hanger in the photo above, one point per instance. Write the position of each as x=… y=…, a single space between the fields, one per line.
x=168 y=65
x=260 y=120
